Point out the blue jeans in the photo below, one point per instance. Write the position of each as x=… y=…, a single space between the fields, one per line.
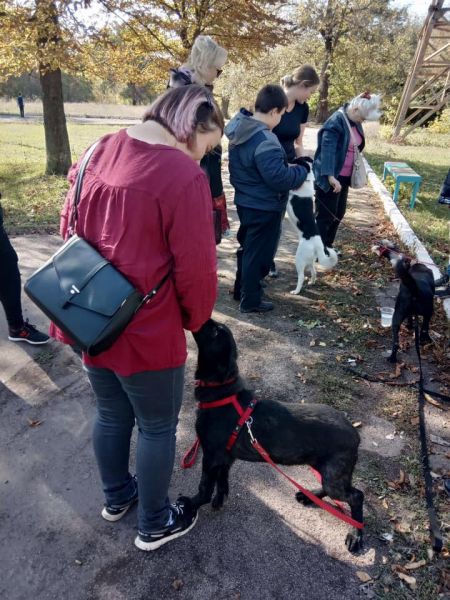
x=152 y=399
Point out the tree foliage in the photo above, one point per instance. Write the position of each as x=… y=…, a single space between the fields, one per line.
x=350 y=29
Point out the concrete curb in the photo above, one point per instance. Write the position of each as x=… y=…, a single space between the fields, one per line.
x=404 y=230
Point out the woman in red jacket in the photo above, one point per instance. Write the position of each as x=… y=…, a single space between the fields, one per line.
x=146 y=206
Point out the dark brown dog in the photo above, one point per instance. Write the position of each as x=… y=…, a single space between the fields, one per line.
x=415 y=295
x=293 y=434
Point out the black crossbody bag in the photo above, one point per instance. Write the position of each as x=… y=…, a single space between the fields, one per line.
x=82 y=292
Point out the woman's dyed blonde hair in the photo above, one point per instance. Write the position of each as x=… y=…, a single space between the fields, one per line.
x=305 y=76
x=205 y=53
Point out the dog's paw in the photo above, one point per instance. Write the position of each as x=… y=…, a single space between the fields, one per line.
x=294 y=292
x=300 y=497
x=354 y=543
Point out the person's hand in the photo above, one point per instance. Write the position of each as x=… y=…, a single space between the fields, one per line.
x=337 y=187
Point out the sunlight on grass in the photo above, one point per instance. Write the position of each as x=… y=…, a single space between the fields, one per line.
x=31 y=200
x=427 y=154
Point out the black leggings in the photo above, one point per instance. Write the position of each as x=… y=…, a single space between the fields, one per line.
x=330 y=210
x=10 y=287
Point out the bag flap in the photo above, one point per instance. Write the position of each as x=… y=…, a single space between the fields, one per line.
x=75 y=264
x=104 y=293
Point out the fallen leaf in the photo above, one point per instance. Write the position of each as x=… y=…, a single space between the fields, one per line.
x=34 y=423
x=322 y=344
x=312 y=343
x=434 y=402
x=363 y=576
x=408 y=579
x=357 y=424
x=415 y=565
x=177 y=584
x=78 y=562
x=387 y=537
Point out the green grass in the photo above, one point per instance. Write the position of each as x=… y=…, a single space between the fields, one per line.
x=31 y=200
x=427 y=154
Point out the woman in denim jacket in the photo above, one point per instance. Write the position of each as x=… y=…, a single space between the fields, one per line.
x=334 y=159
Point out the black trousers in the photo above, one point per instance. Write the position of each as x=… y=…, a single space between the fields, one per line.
x=330 y=210
x=10 y=288
x=258 y=237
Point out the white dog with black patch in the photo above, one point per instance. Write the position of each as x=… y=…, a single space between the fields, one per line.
x=300 y=210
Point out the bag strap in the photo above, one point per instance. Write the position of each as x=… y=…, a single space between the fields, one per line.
x=78 y=184
x=74 y=217
x=341 y=110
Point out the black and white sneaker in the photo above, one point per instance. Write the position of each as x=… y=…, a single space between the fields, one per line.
x=182 y=519
x=28 y=333
x=115 y=513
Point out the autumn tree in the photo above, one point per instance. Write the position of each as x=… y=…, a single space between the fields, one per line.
x=161 y=34
x=343 y=22
x=34 y=38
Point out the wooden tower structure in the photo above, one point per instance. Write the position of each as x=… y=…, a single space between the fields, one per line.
x=427 y=88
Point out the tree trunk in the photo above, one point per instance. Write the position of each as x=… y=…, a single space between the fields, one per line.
x=56 y=136
x=225 y=105
x=322 y=108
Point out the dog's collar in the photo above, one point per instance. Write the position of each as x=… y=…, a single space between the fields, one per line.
x=384 y=250
x=212 y=384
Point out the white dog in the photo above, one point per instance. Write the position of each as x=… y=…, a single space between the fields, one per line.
x=300 y=209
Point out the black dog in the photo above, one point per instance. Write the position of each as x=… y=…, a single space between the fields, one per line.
x=313 y=434
x=415 y=295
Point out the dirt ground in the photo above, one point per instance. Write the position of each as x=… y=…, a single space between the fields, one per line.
x=323 y=346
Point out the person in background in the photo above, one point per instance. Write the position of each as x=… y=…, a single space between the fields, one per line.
x=334 y=159
x=19 y=330
x=21 y=105
x=146 y=207
x=204 y=64
x=299 y=87
x=261 y=177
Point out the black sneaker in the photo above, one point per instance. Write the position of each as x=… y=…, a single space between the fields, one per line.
x=263 y=307
x=183 y=517
x=28 y=333
x=115 y=513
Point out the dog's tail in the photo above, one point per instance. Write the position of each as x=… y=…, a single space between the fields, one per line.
x=402 y=267
x=327 y=258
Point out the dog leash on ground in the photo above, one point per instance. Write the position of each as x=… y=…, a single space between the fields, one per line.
x=435 y=534
x=245 y=417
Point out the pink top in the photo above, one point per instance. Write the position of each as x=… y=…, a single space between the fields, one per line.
x=147 y=209
x=350 y=156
